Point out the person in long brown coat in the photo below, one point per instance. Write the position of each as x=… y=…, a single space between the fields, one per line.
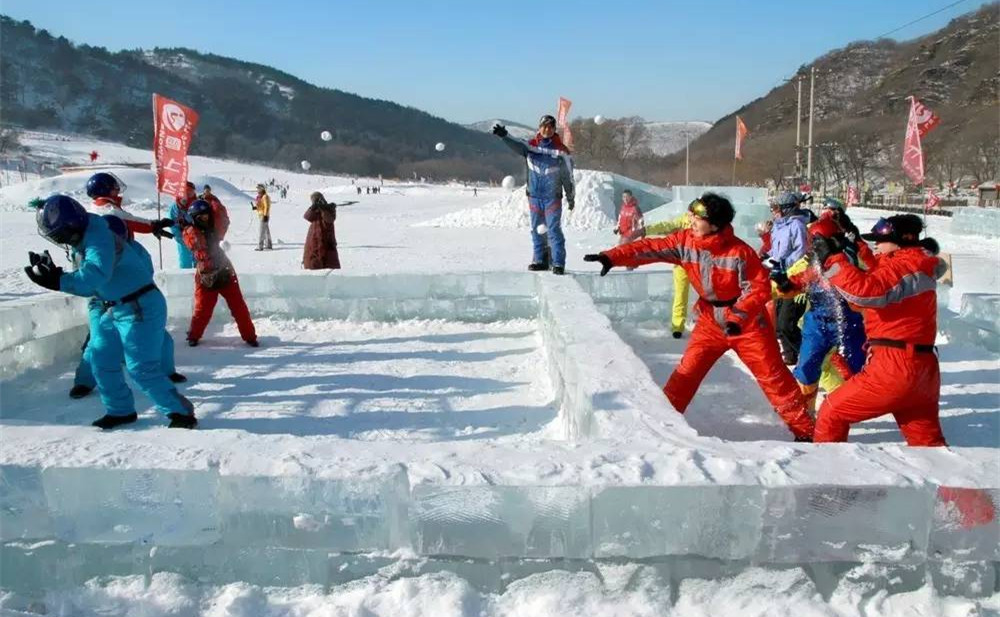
x=321 y=240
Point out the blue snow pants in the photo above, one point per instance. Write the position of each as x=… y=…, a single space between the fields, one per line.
x=551 y=216
x=820 y=335
x=185 y=259
x=134 y=330
x=85 y=371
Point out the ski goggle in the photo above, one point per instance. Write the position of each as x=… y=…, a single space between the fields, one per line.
x=698 y=209
x=883 y=227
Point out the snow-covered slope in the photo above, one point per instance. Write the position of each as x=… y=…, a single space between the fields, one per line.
x=668 y=137
x=516 y=129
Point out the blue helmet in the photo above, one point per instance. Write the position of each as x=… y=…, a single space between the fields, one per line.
x=199 y=206
x=102 y=184
x=116 y=225
x=62 y=220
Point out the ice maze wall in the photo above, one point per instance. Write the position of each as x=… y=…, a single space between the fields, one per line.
x=974 y=221
x=62 y=526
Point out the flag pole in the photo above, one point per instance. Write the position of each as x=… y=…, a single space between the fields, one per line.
x=734 y=171
x=159 y=241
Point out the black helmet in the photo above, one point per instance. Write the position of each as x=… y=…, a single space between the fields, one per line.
x=902 y=229
x=547 y=120
x=62 y=220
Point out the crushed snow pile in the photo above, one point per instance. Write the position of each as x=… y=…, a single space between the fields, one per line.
x=597 y=197
x=140 y=189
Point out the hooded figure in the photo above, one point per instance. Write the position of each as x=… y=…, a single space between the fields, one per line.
x=321 y=239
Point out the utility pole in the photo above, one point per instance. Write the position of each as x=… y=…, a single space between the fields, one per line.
x=798 y=129
x=809 y=154
x=687 y=158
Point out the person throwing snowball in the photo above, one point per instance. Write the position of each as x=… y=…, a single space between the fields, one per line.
x=550 y=176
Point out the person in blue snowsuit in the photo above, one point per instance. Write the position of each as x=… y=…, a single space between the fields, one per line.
x=127 y=312
x=84 y=381
x=550 y=176
x=178 y=212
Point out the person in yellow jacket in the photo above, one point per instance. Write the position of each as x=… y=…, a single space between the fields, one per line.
x=678 y=314
x=263 y=207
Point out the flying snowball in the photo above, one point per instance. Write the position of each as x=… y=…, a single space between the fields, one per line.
x=541 y=229
x=326 y=136
x=439 y=147
x=306 y=165
x=598 y=119
x=507 y=182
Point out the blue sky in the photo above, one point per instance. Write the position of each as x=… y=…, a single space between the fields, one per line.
x=469 y=60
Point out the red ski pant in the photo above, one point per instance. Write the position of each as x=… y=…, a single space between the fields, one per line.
x=902 y=382
x=204 y=304
x=757 y=347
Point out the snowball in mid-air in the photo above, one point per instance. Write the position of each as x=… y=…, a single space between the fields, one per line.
x=508 y=182
x=439 y=147
x=541 y=229
x=306 y=165
x=598 y=119
x=326 y=135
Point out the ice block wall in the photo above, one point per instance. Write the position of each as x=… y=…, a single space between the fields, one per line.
x=39 y=331
x=975 y=221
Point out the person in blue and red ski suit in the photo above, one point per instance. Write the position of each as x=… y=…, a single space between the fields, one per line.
x=898 y=300
x=733 y=288
x=550 y=176
x=105 y=189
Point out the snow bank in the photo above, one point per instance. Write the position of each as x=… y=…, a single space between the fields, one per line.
x=598 y=195
x=140 y=193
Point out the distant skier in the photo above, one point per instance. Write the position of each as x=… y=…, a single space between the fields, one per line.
x=550 y=176
x=213 y=277
x=321 y=240
x=178 y=213
x=127 y=313
x=898 y=299
x=733 y=288
x=263 y=207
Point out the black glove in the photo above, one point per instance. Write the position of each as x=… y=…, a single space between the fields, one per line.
x=267 y=218
x=160 y=226
x=733 y=329
x=601 y=257
x=572 y=204
x=499 y=130
x=615 y=231
x=823 y=248
x=780 y=279
x=43 y=271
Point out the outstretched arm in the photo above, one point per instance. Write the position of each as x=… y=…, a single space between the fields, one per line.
x=647 y=251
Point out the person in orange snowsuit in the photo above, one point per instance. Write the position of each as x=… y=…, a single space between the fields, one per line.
x=733 y=288
x=898 y=300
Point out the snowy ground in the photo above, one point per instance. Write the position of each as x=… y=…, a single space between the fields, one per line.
x=431 y=389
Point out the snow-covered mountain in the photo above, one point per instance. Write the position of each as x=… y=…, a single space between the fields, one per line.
x=516 y=129
x=668 y=137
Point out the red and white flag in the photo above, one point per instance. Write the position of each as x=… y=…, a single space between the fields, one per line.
x=173 y=129
x=913 y=154
x=932 y=201
x=853 y=196
x=562 y=121
x=741 y=133
x=926 y=119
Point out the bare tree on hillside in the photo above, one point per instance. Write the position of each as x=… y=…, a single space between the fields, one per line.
x=10 y=140
x=632 y=134
x=982 y=159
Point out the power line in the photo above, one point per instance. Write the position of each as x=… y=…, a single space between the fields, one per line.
x=919 y=19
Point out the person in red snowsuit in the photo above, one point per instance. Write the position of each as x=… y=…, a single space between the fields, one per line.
x=733 y=288
x=214 y=276
x=220 y=216
x=898 y=300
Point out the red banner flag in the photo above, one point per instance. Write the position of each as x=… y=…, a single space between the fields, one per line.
x=741 y=133
x=932 y=201
x=173 y=129
x=913 y=154
x=853 y=196
x=926 y=119
x=562 y=121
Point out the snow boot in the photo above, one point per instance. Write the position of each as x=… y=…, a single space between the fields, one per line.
x=538 y=267
x=182 y=420
x=804 y=439
x=80 y=391
x=253 y=343
x=109 y=422
x=558 y=270
x=177 y=377
x=677 y=333
x=192 y=342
